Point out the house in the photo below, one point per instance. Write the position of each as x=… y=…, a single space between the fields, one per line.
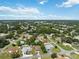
x=22 y=42
x=76 y=37
x=26 y=50
x=58 y=39
x=38 y=55
x=13 y=50
x=48 y=47
x=27 y=36
x=37 y=48
x=67 y=44
x=3 y=35
x=40 y=38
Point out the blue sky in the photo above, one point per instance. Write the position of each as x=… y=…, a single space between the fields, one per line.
x=39 y=9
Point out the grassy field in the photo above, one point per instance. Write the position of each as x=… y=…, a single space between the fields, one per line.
x=75 y=56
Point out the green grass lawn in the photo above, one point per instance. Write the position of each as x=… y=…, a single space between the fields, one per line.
x=75 y=56
x=5 y=55
x=65 y=47
x=33 y=51
x=56 y=50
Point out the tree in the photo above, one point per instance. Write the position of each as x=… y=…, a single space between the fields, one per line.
x=56 y=47
x=3 y=28
x=43 y=48
x=31 y=41
x=10 y=35
x=54 y=55
x=15 y=55
x=3 y=42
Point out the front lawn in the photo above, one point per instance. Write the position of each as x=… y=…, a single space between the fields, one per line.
x=56 y=50
x=5 y=55
x=33 y=51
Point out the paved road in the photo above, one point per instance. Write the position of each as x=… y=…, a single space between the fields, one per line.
x=25 y=58
x=62 y=50
x=35 y=56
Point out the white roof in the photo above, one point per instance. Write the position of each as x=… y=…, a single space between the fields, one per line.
x=2 y=34
x=76 y=37
x=26 y=48
x=48 y=45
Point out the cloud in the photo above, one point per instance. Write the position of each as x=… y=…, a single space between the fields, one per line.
x=34 y=17
x=24 y=13
x=56 y=17
x=18 y=10
x=18 y=13
x=68 y=3
x=43 y=1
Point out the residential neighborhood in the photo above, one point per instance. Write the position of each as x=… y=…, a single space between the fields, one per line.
x=39 y=40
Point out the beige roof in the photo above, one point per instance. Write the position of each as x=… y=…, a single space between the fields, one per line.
x=13 y=50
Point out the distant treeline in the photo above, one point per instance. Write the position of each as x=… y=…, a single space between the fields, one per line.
x=48 y=21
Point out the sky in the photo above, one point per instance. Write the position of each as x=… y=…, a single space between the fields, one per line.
x=39 y=9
